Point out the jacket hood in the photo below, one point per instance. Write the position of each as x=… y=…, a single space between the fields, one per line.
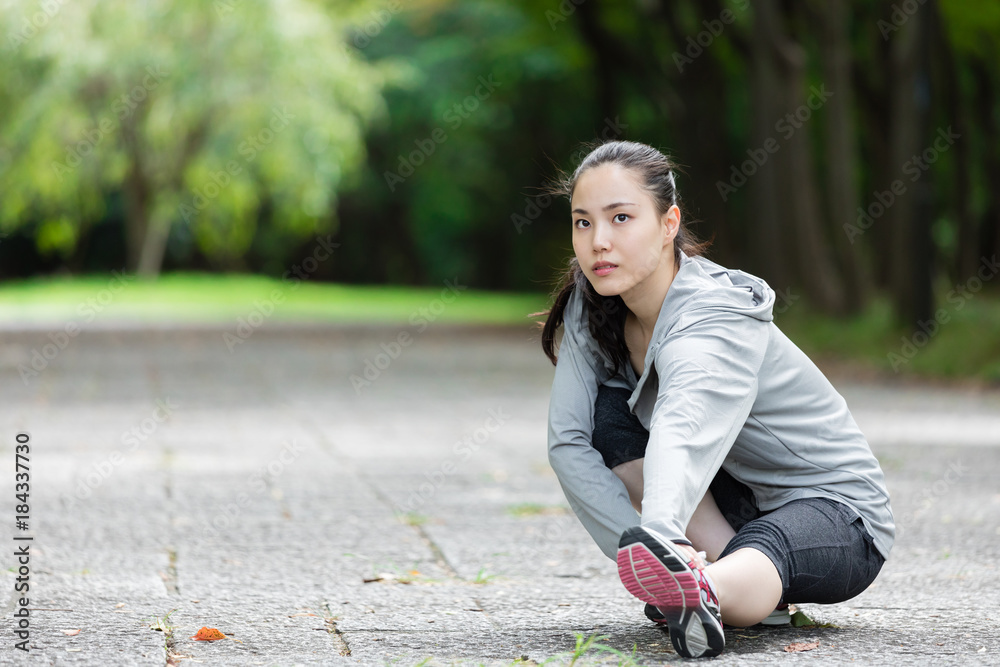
x=702 y=286
x=701 y=289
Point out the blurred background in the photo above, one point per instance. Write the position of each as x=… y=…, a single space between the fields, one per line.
x=848 y=153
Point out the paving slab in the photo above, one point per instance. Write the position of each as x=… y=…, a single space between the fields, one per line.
x=414 y=519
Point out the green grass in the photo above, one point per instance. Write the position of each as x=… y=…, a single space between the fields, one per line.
x=966 y=343
x=193 y=297
x=523 y=510
x=965 y=346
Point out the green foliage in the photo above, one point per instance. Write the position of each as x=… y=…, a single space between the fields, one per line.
x=465 y=146
x=973 y=26
x=210 y=117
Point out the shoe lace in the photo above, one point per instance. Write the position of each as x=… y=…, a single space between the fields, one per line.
x=706 y=590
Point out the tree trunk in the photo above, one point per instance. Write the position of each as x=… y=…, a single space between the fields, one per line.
x=841 y=153
x=154 y=247
x=964 y=262
x=136 y=194
x=986 y=98
x=870 y=80
x=698 y=113
x=904 y=136
x=800 y=202
x=770 y=247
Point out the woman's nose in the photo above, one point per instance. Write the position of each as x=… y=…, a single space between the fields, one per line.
x=602 y=237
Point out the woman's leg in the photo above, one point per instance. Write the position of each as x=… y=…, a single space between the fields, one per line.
x=630 y=473
x=708 y=530
x=809 y=550
x=748 y=586
x=621 y=439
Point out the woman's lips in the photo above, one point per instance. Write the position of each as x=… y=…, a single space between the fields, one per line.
x=605 y=270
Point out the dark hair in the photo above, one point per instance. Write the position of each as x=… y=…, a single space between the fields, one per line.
x=606 y=314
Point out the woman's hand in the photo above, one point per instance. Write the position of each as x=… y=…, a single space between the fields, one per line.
x=694 y=557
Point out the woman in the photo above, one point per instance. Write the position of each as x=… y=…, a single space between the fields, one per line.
x=675 y=395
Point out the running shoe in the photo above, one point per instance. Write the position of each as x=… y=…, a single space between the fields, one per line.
x=780 y=615
x=657 y=572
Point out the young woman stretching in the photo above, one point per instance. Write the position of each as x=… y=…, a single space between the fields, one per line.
x=675 y=395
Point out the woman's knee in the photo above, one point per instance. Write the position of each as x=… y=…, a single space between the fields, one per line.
x=630 y=473
x=618 y=434
x=820 y=547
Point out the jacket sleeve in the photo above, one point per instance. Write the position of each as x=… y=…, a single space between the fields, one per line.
x=598 y=497
x=707 y=387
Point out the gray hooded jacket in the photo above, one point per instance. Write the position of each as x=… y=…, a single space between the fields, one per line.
x=721 y=387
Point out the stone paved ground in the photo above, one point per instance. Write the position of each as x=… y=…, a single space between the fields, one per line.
x=258 y=492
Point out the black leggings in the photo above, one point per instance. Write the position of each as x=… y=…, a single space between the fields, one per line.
x=820 y=547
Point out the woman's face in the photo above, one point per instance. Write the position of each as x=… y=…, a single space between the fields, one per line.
x=615 y=222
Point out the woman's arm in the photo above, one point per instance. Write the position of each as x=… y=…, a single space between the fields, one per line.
x=707 y=386
x=598 y=497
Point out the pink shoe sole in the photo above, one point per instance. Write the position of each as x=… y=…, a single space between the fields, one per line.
x=655 y=572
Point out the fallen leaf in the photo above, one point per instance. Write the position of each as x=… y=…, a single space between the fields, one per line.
x=207 y=634
x=799 y=619
x=70 y=633
x=119 y=605
x=796 y=647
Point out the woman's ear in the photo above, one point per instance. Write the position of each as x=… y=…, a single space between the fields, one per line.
x=671 y=221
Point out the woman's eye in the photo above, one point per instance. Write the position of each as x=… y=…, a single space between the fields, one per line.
x=577 y=223
x=623 y=216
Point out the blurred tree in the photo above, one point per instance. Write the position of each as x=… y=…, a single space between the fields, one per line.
x=207 y=117
x=487 y=98
x=490 y=101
